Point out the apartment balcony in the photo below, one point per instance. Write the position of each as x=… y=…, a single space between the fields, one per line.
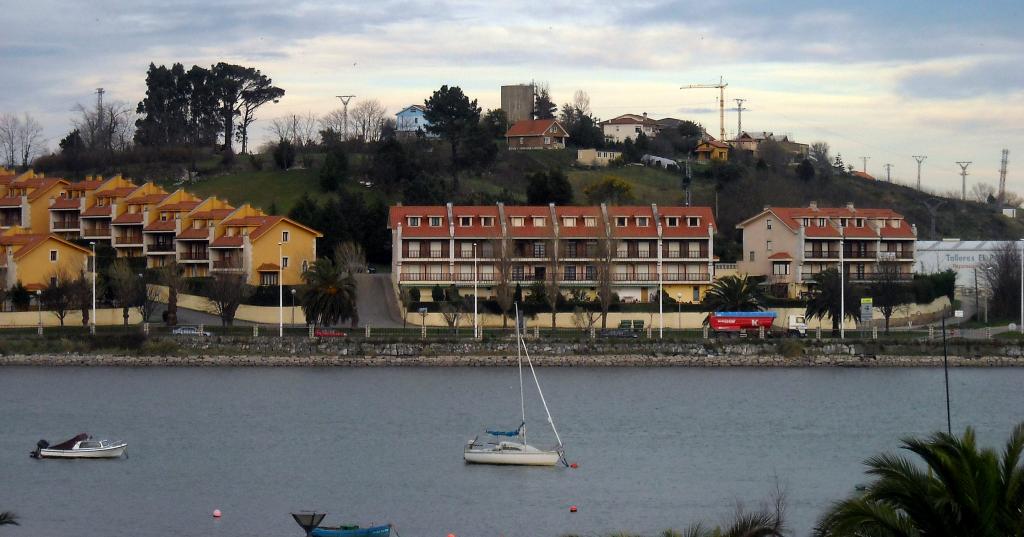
x=635 y=277
x=129 y=240
x=227 y=264
x=65 y=224
x=425 y=277
x=854 y=276
x=468 y=277
x=687 y=277
x=858 y=253
x=822 y=254
x=896 y=255
x=97 y=232
x=160 y=248
x=685 y=254
x=195 y=255
x=10 y=221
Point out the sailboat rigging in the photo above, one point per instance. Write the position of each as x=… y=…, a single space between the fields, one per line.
x=517 y=452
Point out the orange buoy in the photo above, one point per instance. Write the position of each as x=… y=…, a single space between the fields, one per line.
x=216 y=513
x=574 y=466
x=572 y=508
x=451 y=535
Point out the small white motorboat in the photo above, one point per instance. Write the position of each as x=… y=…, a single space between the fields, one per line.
x=82 y=446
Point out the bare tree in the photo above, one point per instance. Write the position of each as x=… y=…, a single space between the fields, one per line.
x=172 y=277
x=889 y=290
x=107 y=127
x=80 y=291
x=29 y=139
x=124 y=286
x=57 y=297
x=368 y=119
x=334 y=121
x=605 y=258
x=350 y=257
x=982 y=192
x=581 y=102
x=300 y=130
x=1002 y=274
x=9 y=126
x=1012 y=199
x=552 y=287
x=504 y=287
x=819 y=155
x=148 y=300
x=225 y=292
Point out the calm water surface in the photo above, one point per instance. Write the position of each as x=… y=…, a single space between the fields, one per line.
x=656 y=448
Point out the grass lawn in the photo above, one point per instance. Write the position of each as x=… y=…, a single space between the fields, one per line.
x=261 y=188
x=650 y=185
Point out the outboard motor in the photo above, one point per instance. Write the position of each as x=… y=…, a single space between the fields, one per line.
x=40 y=445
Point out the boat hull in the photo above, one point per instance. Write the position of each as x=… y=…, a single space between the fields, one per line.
x=535 y=458
x=111 y=452
x=373 y=531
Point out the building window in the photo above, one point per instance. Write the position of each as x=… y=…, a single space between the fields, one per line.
x=539 y=273
x=641 y=221
x=539 y=221
x=467 y=249
x=692 y=221
x=821 y=222
x=643 y=249
x=517 y=273
x=487 y=221
x=414 y=248
x=569 y=222
x=621 y=249
x=843 y=222
x=859 y=222
x=620 y=221
x=53 y=255
x=768 y=246
x=570 y=273
x=547 y=140
x=570 y=249
x=751 y=255
x=696 y=293
x=672 y=221
x=538 y=249
x=521 y=139
x=435 y=221
x=284 y=262
x=807 y=222
x=518 y=221
x=305 y=265
x=780 y=269
x=768 y=223
x=53 y=281
x=589 y=221
x=414 y=221
x=285 y=236
x=268 y=278
x=591 y=272
x=465 y=221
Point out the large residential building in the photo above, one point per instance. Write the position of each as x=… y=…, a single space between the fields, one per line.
x=536 y=134
x=633 y=248
x=629 y=126
x=204 y=236
x=37 y=260
x=791 y=245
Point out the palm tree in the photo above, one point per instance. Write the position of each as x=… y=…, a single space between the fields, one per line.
x=765 y=522
x=965 y=491
x=824 y=301
x=8 y=518
x=734 y=293
x=329 y=293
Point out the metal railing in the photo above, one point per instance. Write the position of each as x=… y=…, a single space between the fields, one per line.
x=194 y=256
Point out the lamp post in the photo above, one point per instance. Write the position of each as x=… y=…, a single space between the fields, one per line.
x=842 y=291
x=476 y=298
x=661 y=301
x=280 y=290
x=92 y=319
x=39 y=308
x=679 y=309
x=1021 y=328
x=293 y=306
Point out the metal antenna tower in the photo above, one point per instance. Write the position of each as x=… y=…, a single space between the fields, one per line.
x=739 y=116
x=963 y=178
x=721 y=102
x=1002 y=175
x=888 y=172
x=864 y=160
x=344 y=114
x=920 y=159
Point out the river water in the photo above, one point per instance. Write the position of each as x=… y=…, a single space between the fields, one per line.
x=656 y=448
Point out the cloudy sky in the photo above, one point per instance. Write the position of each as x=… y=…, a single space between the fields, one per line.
x=883 y=79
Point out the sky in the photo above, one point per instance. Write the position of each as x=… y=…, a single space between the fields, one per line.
x=881 y=79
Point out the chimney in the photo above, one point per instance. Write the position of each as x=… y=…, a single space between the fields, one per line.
x=813 y=206
x=849 y=205
x=645 y=115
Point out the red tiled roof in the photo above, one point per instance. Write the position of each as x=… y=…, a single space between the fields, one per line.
x=684 y=229
x=701 y=148
x=863 y=175
x=904 y=231
x=44 y=187
x=792 y=216
x=96 y=210
x=186 y=205
x=128 y=218
x=10 y=201
x=268 y=267
x=780 y=255
x=193 y=233
x=630 y=119
x=161 y=225
x=227 y=242
x=864 y=232
x=212 y=214
x=67 y=203
x=535 y=127
x=826 y=232
x=476 y=229
x=147 y=199
x=119 y=192
x=85 y=185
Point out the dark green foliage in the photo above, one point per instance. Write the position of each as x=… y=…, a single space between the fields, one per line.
x=734 y=293
x=517 y=295
x=329 y=294
x=805 y=170
x=630 y=153
x=284 y=154
x=495 y=122
x=414 y=294
x=825 y=299
x=610 y=190
x=450 y=115
x=334 y=171
x=549 y=187
x=347 y=217
x=583 y=129
x=477 y=148
x=20 y=296
x=437 y=293
x=543 y=106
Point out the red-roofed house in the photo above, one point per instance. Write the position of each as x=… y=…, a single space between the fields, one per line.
x=618 y=129
x=437 y=245
x=790 y=245
x=712 y=150
x=537 y=134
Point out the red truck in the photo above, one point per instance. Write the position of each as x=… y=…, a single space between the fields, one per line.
x=735 y=322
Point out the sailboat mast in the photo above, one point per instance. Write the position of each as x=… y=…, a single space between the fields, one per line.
x=522 y=396
x=541 y=392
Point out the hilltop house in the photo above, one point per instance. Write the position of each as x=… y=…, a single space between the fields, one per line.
x=409 y=121
x=596 y=157
x=751 y=141
x=712 y=149
x=536 y=134
x=630 y=126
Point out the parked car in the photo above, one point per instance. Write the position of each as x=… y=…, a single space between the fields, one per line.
x=617 y=332
x=324 y=332
x=190 y=331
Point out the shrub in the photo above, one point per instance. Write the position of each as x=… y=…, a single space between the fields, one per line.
x=284 y=154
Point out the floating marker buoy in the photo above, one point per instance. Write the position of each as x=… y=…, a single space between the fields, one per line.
x=572 y=508
x=451 y=535
x=216 y=513
x=574 y=466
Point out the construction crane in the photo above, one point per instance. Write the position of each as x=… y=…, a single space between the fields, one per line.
x=721 y=101
x=1002 y=175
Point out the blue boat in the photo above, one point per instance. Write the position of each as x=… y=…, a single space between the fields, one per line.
x=343 y=531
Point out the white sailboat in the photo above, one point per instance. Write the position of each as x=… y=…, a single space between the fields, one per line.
x=517 y=452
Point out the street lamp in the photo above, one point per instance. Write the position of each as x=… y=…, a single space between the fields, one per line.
x=661 y=307
x=293 y=306
x=476 y=297
x=842 y=290
x=280 y=290
x=39 y=308
x=1021 y=286
x=679 y=308
x=92 y=319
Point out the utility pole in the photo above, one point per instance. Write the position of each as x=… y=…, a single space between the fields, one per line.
x=888 y=172
x=963 y=178
x=739 y=116
x=344 y=114
x=1002 y=176
x=864 y=161
x=920 y=159
x=721 y=102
